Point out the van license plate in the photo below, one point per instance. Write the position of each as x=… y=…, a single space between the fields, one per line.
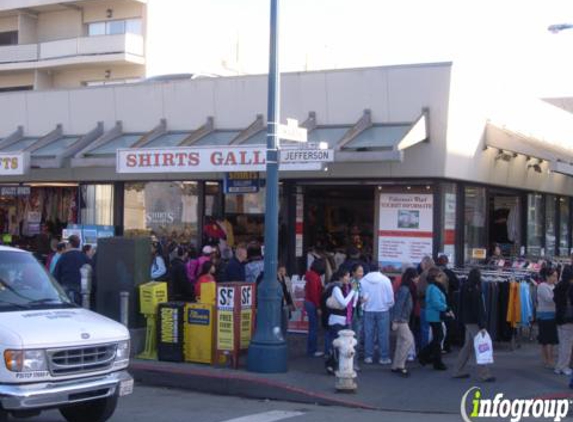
x=125 y=387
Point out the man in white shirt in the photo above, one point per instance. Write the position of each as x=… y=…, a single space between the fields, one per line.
x=379 y=295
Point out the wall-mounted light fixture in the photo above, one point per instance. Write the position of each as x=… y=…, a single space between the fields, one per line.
x=536 y=167
x=109 y=13
x=107 y=74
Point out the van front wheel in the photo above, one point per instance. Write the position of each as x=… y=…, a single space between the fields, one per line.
x=94 y=411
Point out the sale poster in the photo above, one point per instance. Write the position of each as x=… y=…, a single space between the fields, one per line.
x=298 y=322
x=405 y=232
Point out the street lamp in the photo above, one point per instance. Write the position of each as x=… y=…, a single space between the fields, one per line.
x=559 y=27
x=268 y=350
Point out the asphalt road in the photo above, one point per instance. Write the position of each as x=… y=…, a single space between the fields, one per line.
x=149 y=404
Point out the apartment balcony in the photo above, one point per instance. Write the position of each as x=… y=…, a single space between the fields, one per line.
x=126 y=48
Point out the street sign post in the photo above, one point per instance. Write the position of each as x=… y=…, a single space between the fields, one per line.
x=292 y=131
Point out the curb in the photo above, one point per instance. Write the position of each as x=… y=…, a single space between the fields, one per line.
x=231 y=384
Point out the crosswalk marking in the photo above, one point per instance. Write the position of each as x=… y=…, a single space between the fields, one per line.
x=272 y=416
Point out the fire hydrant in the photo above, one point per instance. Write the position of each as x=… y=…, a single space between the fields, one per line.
x=345 y=376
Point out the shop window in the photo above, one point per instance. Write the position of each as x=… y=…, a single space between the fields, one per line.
x=448 y=245
x=97 y=205
x=534 y=224
x=248 y=203
x=475 y=234
x=564 y=226
x=550 y=229
x=213 y=206
x=165 y=209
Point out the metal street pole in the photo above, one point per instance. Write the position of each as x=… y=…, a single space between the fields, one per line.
x=268 y=350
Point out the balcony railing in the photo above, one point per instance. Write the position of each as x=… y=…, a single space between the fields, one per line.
x=69 y=48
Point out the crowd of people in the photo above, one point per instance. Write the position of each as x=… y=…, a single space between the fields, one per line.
x=419 y=308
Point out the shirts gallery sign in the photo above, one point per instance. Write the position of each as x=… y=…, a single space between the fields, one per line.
x=222 y=159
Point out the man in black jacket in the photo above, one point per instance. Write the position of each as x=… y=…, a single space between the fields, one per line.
x=474 y=319
x=67 y=270
x=235 y=270
x=181 y=288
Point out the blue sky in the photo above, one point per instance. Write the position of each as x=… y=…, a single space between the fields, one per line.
x=508 y=38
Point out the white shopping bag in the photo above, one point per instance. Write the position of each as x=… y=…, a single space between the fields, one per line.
x=483 y=348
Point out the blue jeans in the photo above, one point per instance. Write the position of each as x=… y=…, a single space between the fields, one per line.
x=424 y=329
x=358 y=328
x=311 y=342
x=377 y=323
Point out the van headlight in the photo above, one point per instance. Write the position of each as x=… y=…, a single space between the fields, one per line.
x=25 y=360
x=122 y=351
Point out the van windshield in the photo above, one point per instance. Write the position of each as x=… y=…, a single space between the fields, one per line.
x=25 y=284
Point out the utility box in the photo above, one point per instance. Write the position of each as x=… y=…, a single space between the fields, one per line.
x=122 y=265
x=199 y=333
x=170 y=323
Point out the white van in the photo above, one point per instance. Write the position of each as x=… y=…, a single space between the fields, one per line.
x=55 y=354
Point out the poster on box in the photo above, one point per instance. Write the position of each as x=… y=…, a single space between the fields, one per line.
x=405 y=233
x=298 y=322
x=225 y=330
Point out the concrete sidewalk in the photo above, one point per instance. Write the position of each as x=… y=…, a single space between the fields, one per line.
x=519 y=375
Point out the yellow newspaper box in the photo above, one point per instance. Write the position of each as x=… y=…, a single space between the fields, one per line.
x=208 y=293
x=150 y=295
x=199 y=333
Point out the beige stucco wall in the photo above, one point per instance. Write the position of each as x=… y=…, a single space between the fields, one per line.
x=120 y=10
x=9 y=24
x=16 y=79
x=73 y=78
x=59 y=25
x=27 y=29
x=472 y=103
x=6 y=5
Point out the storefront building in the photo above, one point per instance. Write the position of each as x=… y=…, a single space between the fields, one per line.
x=402 y=162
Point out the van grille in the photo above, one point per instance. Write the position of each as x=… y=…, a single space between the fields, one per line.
x=81 y=359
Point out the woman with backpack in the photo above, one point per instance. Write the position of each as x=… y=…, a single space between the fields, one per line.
x=339 y=301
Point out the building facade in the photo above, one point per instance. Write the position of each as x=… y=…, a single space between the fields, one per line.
x=421 y=161
x=48 y=44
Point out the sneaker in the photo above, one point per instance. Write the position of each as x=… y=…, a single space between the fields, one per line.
x=318 y=354
x=411 y=358
x=566 y=371
x=368 y=361
x=385 y=361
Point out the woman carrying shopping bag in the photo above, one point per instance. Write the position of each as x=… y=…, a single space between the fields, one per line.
x=474 y=319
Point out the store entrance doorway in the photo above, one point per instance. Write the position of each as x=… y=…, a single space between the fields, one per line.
x=338 y=218
x=505 y=223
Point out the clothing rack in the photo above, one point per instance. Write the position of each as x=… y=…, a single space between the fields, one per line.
x=509 y=299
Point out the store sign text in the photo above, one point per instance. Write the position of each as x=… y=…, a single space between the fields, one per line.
x=224 y=159
x=14 y=164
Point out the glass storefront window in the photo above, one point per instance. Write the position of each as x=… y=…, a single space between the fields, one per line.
x=564 y=226
x=166 y=209
x=534 y=224
x=550 y=229
x=97 y=205
x=213 y=206
x=449 y=220
x=248 y=203
x=475 y=233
